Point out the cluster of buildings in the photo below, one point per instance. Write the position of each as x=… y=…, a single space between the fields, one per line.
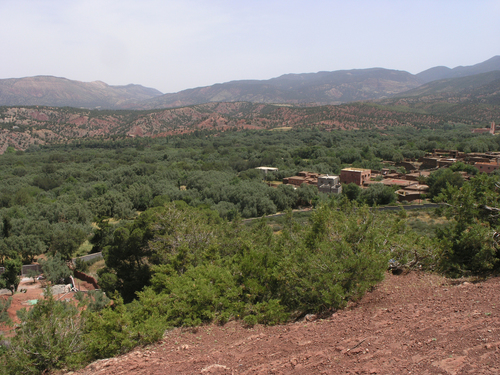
x=409 y=185
x=486 y=162
x=325 y=183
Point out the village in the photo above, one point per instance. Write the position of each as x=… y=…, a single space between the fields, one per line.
x=407 y=176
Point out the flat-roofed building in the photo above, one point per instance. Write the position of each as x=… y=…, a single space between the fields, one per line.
x=357 y=176
x=487 y=167
x=329 y=184
x=303 y=177
x=412 y=193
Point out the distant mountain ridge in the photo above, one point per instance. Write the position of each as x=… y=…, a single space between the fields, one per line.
x=306 y=89
x=321 y=88
x=475 y=97
x=63 y=92
x=442 y=72
x=472 y=86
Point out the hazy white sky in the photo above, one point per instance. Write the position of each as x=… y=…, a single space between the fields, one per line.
x=173 y=45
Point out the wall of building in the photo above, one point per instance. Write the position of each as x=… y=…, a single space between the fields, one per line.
x=355 y=175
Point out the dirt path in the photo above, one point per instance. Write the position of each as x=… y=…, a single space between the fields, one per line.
x=410 y=324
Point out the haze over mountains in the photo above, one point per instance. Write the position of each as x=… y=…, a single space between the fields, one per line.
x=320 y=88
x=62 y=92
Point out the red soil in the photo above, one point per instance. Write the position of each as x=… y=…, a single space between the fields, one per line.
x=33 y=291
x=409 y=324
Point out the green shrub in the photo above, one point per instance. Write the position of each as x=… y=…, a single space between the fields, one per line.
x=55 y=269
x=4 y=306
x=48 y=338
x=81 y=265
x=10 y=276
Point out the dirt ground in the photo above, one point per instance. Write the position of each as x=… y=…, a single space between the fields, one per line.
x=34 y=290
x=410 y=324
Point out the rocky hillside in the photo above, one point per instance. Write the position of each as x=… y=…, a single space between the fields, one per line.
x=62 y=92
x=21 y=127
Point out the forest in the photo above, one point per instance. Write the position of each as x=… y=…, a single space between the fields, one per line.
x=169 y=215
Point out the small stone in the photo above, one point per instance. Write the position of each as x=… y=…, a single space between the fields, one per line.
x=311 y=317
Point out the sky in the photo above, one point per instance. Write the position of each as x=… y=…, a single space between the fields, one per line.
x=172 y=45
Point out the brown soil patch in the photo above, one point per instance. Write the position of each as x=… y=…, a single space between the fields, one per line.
x=415 y=323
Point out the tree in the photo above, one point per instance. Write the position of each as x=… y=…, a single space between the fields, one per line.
x=33 y=274
x=66 y=239
x=176 y=234
x=468 y=244
x=95 y=300
x=55 y=269
x=439 y=179
x=103 y=235
x=7 y=227
x=377 y=194
x=11 y=274
x=27 y=246
x=351 y=191
x=4 y=307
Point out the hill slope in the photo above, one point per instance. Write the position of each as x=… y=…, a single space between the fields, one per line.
x=475 y=97
x=62 y=92
x=442 y=72
x=22 y=127
x=416 y=323
x=465 y=87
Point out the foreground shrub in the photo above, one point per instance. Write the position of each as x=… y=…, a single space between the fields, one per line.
x=49 y=337
x=113 y=331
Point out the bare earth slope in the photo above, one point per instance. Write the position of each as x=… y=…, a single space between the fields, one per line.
x=414 y=323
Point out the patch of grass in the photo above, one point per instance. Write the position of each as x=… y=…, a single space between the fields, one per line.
x=426 y=222
x=95 y=267
x=84 y=249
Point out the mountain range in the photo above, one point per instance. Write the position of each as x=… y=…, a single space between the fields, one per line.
x=62 y=92
x=322 y=88
x=57 y=110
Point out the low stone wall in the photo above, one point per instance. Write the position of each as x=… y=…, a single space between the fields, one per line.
x=26 y=268
x=89 y=257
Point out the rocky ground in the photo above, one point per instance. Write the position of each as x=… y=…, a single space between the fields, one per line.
x=410 y=324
